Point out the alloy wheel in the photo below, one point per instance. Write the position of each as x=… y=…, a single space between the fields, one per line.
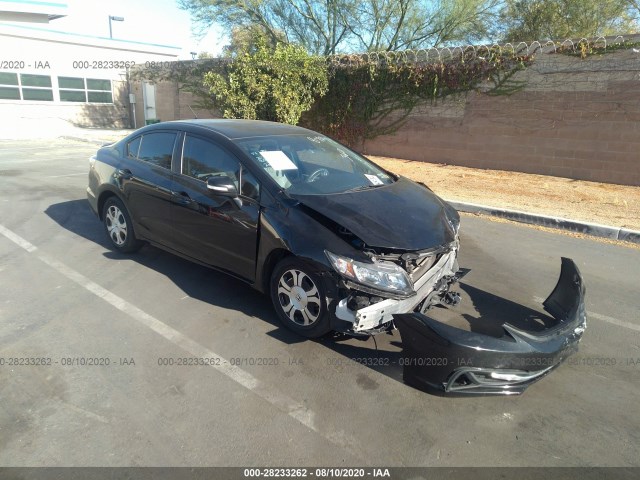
x=116 y=225
x=299 y=297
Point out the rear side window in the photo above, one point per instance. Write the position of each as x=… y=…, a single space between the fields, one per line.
x=133 y=146
x=157 y=148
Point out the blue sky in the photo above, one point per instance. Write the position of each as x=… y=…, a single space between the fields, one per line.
x=153 y=21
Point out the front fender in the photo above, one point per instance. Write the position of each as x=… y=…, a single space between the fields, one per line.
x=286 y=228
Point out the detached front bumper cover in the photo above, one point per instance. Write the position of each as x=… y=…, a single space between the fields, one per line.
x=444 y=359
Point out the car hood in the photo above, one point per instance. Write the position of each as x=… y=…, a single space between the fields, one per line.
x=402 y=215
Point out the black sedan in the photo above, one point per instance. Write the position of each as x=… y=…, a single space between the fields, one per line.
x=336 y=241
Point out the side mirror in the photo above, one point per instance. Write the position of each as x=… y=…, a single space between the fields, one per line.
x=222 y=185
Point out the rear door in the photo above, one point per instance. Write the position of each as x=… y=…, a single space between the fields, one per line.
x=219 y=231
x=145 y=176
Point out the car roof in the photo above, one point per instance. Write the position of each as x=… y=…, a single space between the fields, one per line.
x=236 y=128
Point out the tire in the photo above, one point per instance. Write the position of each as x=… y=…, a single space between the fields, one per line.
x=298 y=296
x=119 y=227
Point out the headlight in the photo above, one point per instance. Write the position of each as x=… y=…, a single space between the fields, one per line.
x=384 y=276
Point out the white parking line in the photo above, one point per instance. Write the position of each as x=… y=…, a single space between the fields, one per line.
x=9 y=161
x=68 y=175
x=22 y=149
x=614 y=321
x=17 y=239
x=272 y=395
x=603 y=318
x=89 y=414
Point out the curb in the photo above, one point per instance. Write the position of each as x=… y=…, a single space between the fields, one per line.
x=604 y=231
x=80 y=139
x=87 y=140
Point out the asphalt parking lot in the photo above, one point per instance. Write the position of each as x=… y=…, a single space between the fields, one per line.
x=276 y=399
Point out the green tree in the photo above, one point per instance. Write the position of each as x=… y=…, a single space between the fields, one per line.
x=367 y=98
x=330 y=26
x=270 y=84
x=561 y=19
x=246 y=39
x=414 y=24
x=317 y=26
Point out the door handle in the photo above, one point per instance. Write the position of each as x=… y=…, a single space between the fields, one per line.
x=124 y=174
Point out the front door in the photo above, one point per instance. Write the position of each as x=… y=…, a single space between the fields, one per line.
x=211 y=228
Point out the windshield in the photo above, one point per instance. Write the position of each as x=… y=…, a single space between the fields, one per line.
x=313 y=164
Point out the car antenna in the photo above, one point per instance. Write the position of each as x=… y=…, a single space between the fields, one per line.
x=194 y=113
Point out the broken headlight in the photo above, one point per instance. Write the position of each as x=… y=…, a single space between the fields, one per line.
x=383 y=276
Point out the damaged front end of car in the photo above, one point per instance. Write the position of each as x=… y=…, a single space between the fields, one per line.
x=443 y=359
x=395 y=283
x=387 y=273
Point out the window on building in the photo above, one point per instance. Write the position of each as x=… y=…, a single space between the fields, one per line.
x=99 y=91
x=28 y=86
x=72 y=89
x=25 y=86
x=8 y=93
x=36 y=87
x=78 y=89
x=9 y=87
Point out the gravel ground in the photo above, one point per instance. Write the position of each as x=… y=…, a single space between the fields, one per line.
x=603 y=203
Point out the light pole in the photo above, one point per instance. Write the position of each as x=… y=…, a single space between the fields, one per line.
x=115 y=19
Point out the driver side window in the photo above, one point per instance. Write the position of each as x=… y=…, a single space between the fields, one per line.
x=202 y=159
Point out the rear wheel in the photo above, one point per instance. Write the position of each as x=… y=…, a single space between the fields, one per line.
x=118 y=225
x=298 y=297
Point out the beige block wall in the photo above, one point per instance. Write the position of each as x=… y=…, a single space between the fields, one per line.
x=575 y=118
x=172 y=103
x=107 y=116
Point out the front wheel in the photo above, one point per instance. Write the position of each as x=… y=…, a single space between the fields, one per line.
x=298 y=297
x=118 y=225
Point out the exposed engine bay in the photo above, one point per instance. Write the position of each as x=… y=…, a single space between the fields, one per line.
x=433 y=272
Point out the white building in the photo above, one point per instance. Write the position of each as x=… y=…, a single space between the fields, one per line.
x=66 y=77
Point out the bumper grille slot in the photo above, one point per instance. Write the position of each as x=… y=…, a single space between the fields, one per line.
x=483 y=379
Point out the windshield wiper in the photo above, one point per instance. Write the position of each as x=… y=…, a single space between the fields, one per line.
x=362 y=187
